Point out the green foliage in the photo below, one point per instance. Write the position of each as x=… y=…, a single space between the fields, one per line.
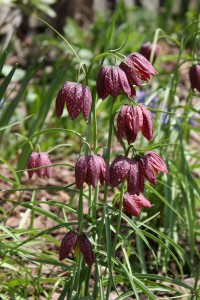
x=133 y=256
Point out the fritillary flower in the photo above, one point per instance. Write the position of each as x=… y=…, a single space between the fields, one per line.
x=137 y=68
x=77 y=242
x=136 y=170
x=77 y=98
x=132 y=204
x=113 y=81
x=146 y=50
x=90 y=169
x=37 y=160
x=133 y=119
x=151 y=164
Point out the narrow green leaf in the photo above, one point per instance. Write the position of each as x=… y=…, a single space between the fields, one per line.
x=6 y=82
x=2 y=60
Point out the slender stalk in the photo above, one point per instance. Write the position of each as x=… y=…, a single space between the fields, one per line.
x=108 y=161
x=94 y=123
x=116 y=237
x=80 y=210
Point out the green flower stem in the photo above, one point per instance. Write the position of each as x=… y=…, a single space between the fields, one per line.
x=100 y=231
x=80 y=210
x=94 y=123
x=108 y=161
x=95 y=199
x=116 y=237
x=75 y=279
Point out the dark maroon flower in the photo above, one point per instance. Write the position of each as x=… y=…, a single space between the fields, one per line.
x=86 y=248
x=131 y=119
x=132 y=204
x=37 y=160
x=77 y=98
x=146 y=50
x=194 y=74
x=137 y=68
x=90 y=169
x=68 y=243
x=113 y=81
x=136 y=170
x=151 y=164
x=73 y=240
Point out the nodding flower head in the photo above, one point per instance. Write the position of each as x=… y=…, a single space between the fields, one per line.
x=90 y=169
x=132 y=204
x=137 y=68
x=113 y=81
x=131 y=119
x=146 y=50
x=194 y=75
x=136 y=170
x=74 y=241
x=77 y=98
x=37 y=160
x=151 y=164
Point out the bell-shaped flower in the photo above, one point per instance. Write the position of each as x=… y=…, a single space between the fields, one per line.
x=77 y=98
x=131 y=119
x=77 y=242
x=113 y=81
x=194 y=75
x=90 y=169
x=132 y=204
x=151 y=164
x=126 y=168
x=137 y=68
x=146 y=50
x=38 y=160
x=136 y=170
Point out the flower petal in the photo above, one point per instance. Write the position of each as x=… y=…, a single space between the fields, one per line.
x=147 y=127
x=60 y=100
x=44 y=160
x=130 y=205
x=93 y=170
x=86 y=249
x=156 y=161
x=148 y=169
x=87 y=102
x=32 y=163
x=121 y=122
x=67 y=244
x=81 y=170
x=141 y=201
x=119 y=170
x=74 y=99
x=134 y=178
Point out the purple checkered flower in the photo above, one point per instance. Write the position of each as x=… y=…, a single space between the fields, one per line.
x=137 y=68
x=37 y=160
x=132 y=204
x=113 y=81
x=133 y=119
x=136 y=170
x=77 y=98
x=75 y=241
x=90 y=169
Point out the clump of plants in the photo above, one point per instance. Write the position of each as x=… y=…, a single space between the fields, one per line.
x=114 y=247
